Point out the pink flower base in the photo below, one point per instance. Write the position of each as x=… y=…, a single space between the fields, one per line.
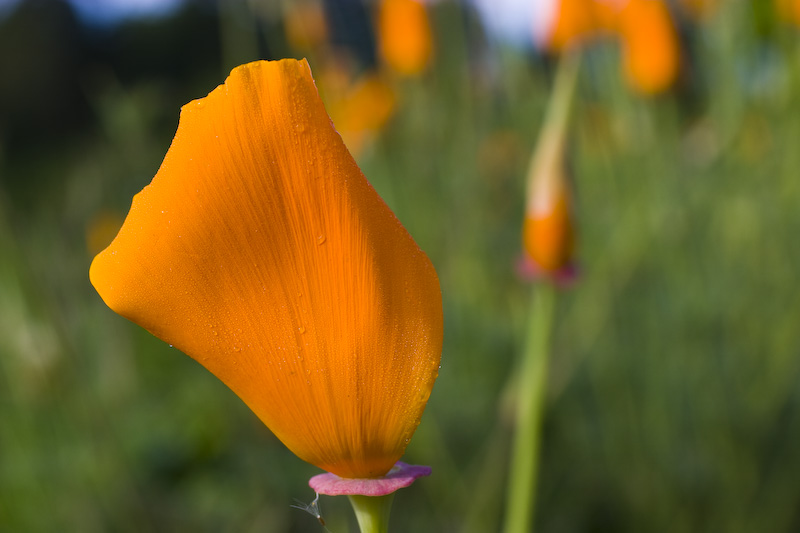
x=401 y=475
x=529 y=271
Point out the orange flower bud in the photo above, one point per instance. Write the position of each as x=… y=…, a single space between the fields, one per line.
x=548 y=231
x=260 y=250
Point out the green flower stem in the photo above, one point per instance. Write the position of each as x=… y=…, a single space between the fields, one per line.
x=531 y=385
x=372 y=512
x=562 y=97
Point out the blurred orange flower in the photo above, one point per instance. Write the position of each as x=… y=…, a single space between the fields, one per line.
x=651 y=48
x=305 y=25
x=576 y=20
x=360 y=108
x=260 y=250
x=789 y=10
x=405 y=36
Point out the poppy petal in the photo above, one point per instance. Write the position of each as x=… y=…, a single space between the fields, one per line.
x=260 y=250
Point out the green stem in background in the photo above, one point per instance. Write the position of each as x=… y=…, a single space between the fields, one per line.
x=372 y=512
x=531 y=386
x=559 y=108
x=531 y=378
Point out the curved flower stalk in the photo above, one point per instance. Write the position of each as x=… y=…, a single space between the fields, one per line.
x=260 y=250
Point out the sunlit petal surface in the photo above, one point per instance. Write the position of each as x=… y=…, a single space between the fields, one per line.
x=260 y=250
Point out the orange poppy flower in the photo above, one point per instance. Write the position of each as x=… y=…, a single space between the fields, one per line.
x=651 y=46
x=260 y=250
x=304 y=24
x=789 y=10
x=359 y=108
x=645 y=27
x=405 y=36
x=574 y=21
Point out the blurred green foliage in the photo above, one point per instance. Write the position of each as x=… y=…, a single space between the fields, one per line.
x=674 y=400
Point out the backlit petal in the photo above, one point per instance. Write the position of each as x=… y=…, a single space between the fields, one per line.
x=260 y=250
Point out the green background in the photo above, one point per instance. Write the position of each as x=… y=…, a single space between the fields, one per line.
x=674 y=389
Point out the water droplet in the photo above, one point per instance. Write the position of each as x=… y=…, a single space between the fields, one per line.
x=302 y=329
x=299 y=127
x=321 y=239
